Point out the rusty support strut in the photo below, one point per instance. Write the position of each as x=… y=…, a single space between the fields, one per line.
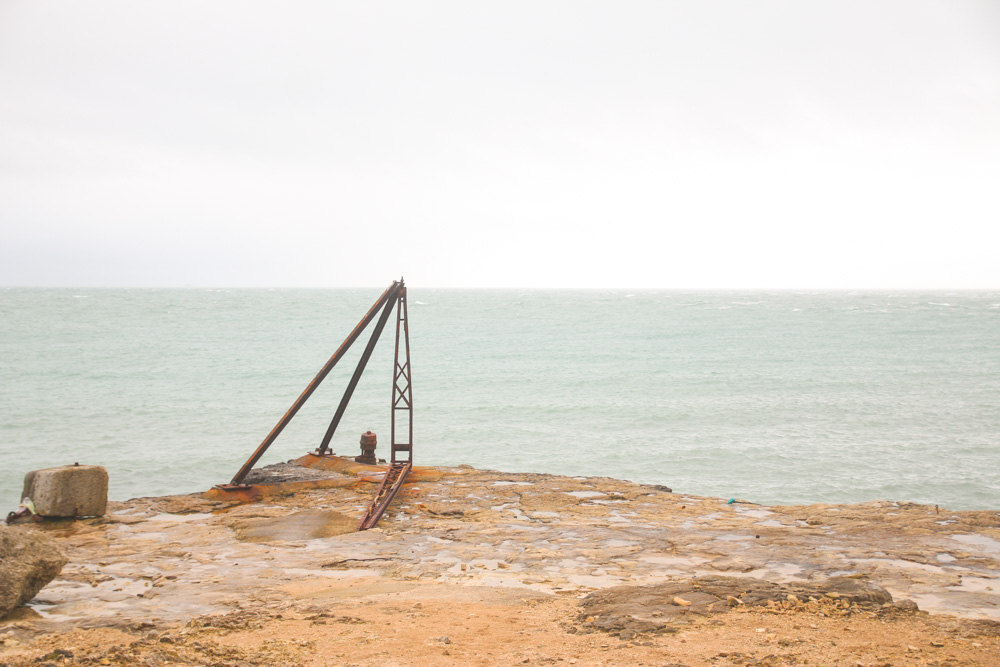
x=365 y=356
x=388 y=297
x=402 y=394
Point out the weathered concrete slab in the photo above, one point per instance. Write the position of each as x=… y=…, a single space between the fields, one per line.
x=68 y=491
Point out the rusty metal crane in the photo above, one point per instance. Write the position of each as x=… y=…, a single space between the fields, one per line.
x=401 y=439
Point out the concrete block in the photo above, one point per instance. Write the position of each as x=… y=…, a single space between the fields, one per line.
x=68 y=491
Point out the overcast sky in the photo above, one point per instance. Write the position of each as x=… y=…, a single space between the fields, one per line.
x=500 y=144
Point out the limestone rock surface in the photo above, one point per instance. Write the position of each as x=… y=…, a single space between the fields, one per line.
x=29 y=560
x=718 y=594
x=68 y=491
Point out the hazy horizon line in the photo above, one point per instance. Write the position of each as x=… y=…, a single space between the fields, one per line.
x=516 y=287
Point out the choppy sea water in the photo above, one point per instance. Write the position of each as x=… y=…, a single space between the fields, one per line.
x=773 y=397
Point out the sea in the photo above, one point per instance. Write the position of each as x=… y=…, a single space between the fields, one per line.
x=774 y=397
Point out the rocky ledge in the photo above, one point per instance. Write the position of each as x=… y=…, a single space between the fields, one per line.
x=482 y=567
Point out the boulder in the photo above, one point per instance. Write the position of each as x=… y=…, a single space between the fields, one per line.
x=29 y=559
x=68 y=491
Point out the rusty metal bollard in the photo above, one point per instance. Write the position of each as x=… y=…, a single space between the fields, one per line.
x=367 y=449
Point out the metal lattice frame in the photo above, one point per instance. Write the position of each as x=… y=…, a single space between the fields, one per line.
x=395 y=294
x=402 y=402
x=402 y=394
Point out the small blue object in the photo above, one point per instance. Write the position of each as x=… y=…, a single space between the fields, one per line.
x=731 y=501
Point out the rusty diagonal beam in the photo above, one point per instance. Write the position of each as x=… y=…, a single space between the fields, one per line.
x=365 y=356
x=388 y=295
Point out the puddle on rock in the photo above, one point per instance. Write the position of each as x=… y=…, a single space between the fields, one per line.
x=619 y=543
x=677 y=561
x=976 y=585
x=988 y=544
x=305 y=525
x=179 y=518
x=585 y=494
x=900 y=563
x=961 y=604
x=755 y=514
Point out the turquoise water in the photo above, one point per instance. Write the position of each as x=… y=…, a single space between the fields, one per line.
x=774 y=397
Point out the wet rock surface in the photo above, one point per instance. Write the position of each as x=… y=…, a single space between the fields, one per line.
x=523 y=547
x=544 y=533
x=283 y=527
x=277 y=473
